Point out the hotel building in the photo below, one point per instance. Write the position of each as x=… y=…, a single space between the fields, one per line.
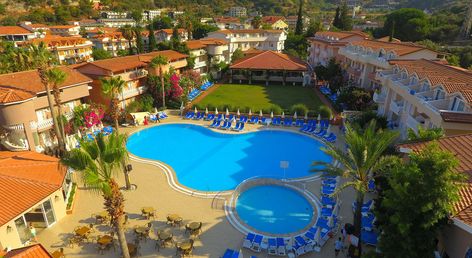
x=208 y=52
x=24 y=110
x=326 y=44
x=256 y=38
x=16 y=34
x=111 y=42
x=430 y=94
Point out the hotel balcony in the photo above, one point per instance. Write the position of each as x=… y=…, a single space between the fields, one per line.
x=377 y=61
x=133 y=92
x=134 y=74
x=199 y=65
x=415 y=122
x=437 y=105
x=373 y=77
x=379 y=97
x=349 y=54
x=354 y=71
x=396 y=107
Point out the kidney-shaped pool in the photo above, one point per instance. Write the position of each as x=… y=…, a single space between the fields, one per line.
x=205 y=160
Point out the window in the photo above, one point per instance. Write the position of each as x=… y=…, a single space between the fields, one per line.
x=439 y=94
x=457 y=104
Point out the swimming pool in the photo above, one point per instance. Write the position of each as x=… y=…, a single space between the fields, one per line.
x=205 y=160
x=274 y=209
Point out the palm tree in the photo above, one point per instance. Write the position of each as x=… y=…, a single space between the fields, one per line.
x=98 y=161
x=363 y=158
x=41 y=59
x=129 y=34
x=56 y=77
x=113 y=87
x=158 y=62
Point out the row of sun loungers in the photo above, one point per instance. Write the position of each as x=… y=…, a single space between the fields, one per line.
x=319 y=131
x=193 y=94
x=326 y=91
x=368 y=234
x=227 y=125
x=206 y=86
x=161 y=115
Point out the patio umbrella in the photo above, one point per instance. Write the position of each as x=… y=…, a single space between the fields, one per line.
x=227 y=112
x=206 y=111
x=238 y=112
x=306 y=115
x=79 y=134
x=319 y=117
x=250 y=112
x=216 y=111
x=295 y=115
x=260 y=113
x=283 y=114
x=196 y=110
x=271 y=114
x=329 y=128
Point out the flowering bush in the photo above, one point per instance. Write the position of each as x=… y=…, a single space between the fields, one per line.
x=176 y=89
x=94 y=117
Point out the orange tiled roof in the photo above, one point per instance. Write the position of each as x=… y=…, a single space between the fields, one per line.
x=21 y=86
x=119 y=64
x=270 y=60
x=26 y=178
x=461 y=147
x=272 y=19
x=228 y=31
x=58 y=41
x=340 y=34
x=103 y=29
x=63 y=26
x=13 y=30
x=226 y=20
x=387 y=38
x=32 y=251
x=201 y=43
x=453 y=79
x=170 y=31
x=112 y=35
x=401 y=49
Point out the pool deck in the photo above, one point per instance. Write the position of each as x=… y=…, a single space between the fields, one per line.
x=153 y=190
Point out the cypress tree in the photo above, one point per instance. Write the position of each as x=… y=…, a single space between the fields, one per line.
x=139 y=41
x=336 y=18
x=345 y=19
x=151 y=39
x=299 y=26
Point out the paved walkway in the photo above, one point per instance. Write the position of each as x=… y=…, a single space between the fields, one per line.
x=153 y=190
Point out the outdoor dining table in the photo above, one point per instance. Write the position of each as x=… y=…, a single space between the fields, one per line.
x=82 y=231
x=164 y=235
x=148 y=211
x=174 y=219
x=105 y=240
x=141 y=230
x=194 y=226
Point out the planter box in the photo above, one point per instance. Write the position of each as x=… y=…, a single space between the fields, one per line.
x=74 y=200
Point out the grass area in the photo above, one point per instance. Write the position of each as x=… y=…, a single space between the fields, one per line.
x=259 y=97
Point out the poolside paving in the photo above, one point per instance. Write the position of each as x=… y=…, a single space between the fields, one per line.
x=153 y=190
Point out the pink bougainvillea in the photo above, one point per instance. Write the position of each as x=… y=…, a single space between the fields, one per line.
x=94 y=117
x=176 y=89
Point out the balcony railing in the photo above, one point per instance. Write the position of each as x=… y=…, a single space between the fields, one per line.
x=133 y=92
x=379 y=97
x=396 y=108
x=413 y=122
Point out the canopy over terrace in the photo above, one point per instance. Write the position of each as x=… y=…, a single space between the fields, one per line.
x=270 y=67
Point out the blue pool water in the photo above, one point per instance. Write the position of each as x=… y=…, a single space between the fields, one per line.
x=205 y=160
x=274 y=209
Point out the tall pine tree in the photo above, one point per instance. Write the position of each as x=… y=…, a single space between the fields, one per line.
x=299 y=26
x=151 y=39
x=139 y=40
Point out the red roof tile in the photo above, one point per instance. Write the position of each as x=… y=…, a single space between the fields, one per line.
x=24 y=85
x=26 y=178
x=270 y=60
x=32 y=251
x=13 y=30
x=461 y=147
x=272 y=19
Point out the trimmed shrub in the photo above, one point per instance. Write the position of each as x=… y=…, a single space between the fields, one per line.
x=301 y=109
x=324 y=112
x=276 y=109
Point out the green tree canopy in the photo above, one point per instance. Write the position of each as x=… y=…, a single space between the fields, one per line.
x=408 y=24
x=237 y=54
x=99 y=54
x=420 y=199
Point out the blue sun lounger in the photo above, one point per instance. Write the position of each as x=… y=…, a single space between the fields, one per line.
x=199 y=116
x=326 y=212
x=369 y=237
x=304 y=128
x=370 y=186
x=241 y=127
x=272 y=246
x=216 y=123
x=276 y=121
x=230 y=117
x=299 y=122
x=366 y=207
x=189 y=115
x=327 y=190
x=320 y=133
x=281 y=246
x=325 y=201
x=210 y=117
x=254 y=120
x=247 y=243
x=256 y=244
x=228 y=125
x=367 y=222
x=288 y=122
x=298 y=249
x=243 y=119
x=229 y=253
x=225 y=124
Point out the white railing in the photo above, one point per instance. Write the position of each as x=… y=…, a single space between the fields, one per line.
x=379 y=97
x=133 y=92
x=413 y=123
x=396 y=107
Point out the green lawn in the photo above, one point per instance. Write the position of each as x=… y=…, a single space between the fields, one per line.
x=259 y=97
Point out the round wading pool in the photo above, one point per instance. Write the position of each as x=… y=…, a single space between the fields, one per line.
x=274 y=209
